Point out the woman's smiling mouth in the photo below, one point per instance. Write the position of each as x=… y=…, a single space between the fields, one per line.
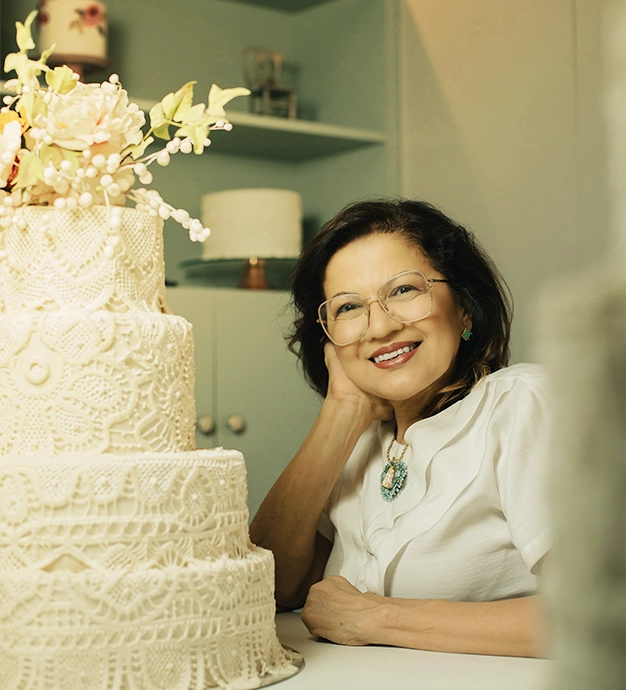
x=386 y=357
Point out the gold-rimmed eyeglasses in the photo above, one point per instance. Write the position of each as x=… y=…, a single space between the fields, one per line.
x=405 y=297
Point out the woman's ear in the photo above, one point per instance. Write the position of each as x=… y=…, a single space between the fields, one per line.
x=466 y=315
x=467 y=320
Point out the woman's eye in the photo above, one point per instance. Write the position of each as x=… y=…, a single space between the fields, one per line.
x=348 y=308
x=403 y=290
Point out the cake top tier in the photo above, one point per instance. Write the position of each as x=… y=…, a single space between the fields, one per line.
x=83 y=259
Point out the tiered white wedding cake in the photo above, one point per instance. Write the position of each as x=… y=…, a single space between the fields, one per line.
x=125 y=559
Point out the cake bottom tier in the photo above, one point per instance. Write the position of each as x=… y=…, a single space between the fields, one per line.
x=204 y=625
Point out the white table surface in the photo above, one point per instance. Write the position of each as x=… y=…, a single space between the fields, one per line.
x=334 y=667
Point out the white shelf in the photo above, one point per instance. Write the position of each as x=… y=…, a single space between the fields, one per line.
x=279 y=138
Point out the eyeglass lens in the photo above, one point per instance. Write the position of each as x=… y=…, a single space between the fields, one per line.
x=405 y=297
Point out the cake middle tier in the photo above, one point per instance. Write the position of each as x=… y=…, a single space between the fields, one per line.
x=79 y=381
x=146 y=511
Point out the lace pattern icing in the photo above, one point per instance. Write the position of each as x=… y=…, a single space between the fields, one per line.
x=75 y=259
x=125 y=561
x=110 y=512
x=78 y=381
x=204 y=625
x=88 y=361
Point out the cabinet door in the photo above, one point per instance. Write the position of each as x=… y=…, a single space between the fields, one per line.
x=258 y=378
x=196 y=305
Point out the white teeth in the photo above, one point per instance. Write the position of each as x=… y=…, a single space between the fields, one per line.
x=395 y=353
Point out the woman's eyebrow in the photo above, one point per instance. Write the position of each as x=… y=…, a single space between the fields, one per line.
x=339 y=294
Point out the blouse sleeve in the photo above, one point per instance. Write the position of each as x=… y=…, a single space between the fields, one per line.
x=522 y=424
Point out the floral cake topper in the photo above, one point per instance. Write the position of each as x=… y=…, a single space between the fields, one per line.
x=73 y=145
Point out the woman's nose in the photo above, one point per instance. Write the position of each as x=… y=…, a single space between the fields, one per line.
x=381 y=324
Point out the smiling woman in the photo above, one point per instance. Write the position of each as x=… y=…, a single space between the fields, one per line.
x=413 y=514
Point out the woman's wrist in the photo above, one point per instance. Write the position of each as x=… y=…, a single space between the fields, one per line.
x=351 y=412
x=381 y=620
x=386 y=623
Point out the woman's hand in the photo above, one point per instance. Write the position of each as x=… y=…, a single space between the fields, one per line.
x=337 y=611
x=342 y=389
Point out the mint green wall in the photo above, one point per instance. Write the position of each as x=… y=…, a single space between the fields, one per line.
x=341 y=47
x=351 y=76
x=341 y=52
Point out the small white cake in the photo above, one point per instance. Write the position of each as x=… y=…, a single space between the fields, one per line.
x=265 y=223
x=77 y=27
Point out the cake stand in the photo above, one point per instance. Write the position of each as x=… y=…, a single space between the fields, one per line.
x=255 y=273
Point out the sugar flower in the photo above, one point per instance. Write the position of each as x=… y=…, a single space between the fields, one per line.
x=92 y=114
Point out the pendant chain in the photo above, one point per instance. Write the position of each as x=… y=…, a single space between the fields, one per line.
x=393 y=461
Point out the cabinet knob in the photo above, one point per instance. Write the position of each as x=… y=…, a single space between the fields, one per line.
x=206 y=424
x=236 y=423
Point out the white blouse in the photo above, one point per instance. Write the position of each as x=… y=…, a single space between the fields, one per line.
x=470 y=523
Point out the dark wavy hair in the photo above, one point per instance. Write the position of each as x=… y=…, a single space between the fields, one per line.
x=450 y=248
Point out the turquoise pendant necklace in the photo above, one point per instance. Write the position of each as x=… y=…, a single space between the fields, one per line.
x=393 y=476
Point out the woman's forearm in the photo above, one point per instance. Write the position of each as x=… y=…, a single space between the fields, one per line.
x=286 y=523
x=510 y=627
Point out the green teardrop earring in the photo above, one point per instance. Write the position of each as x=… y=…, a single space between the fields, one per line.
x=467 y=334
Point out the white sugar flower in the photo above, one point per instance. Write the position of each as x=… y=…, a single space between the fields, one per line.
x=92 y=114
x=10 y=141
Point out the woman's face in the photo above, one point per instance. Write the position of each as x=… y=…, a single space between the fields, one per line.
x=361 y=267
